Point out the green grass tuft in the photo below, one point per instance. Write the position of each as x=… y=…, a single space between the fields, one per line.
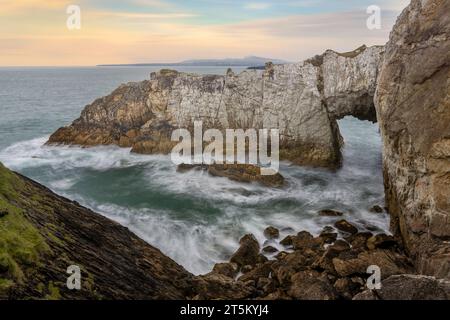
x=21 y=244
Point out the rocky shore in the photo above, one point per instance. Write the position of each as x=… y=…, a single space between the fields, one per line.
x=42 y=234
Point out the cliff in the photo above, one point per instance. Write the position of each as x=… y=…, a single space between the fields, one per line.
x=302 y=100
x=413 y=106
x=42 y=234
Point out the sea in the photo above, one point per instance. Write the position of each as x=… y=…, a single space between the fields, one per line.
x=194 y=218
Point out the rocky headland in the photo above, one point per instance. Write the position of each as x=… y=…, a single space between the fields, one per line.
x=404 y=85
x=302 y=100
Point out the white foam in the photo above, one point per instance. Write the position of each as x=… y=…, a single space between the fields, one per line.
x=197 y=240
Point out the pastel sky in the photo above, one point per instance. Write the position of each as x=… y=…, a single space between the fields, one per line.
x=34 y=32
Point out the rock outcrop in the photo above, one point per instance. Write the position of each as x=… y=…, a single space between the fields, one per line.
x=245 y=173
x=413 y=106
x=409 y=287
x=42 y=234
x=349 y=81
x=302 y=100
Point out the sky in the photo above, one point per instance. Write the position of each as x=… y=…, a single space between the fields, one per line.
x=35 y=32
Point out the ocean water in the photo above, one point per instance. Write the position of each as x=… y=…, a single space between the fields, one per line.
x=195 y=219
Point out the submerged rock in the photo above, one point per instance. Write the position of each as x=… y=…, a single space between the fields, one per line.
x=330 y=213
x=345 y=226
x=245 y=173
x=271 y=233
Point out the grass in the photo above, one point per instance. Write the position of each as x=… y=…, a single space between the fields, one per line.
x=21 y=244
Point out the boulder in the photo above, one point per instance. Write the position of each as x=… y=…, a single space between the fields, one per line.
x=248 y=252
x=376 y=209
x=345 y=226
x=271 y=233
x=227 y=269
x=354 y=263
x=330 y=213
x=381 y=241
x=310 y=285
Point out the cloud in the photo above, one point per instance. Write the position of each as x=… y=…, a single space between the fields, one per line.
x=131 y=15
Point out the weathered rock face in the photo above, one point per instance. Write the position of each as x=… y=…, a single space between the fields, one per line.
x=413 y=106
x=43 y=234
x=409 y=287
x=302 y=100
x=350 y=80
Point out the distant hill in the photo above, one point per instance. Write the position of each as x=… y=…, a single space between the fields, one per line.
x=250 y=61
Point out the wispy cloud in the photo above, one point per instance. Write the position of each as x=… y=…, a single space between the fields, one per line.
x=257 y=6
x=33 y=32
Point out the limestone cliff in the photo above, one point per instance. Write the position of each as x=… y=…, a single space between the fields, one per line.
x=302 y=100
x=413 y=106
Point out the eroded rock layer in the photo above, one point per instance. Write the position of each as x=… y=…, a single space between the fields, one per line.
x=302 y=100
x=413 y=106
x=42 y=235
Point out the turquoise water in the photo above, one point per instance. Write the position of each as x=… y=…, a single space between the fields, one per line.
x=192 y=217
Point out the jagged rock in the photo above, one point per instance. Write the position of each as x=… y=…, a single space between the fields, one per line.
x=381 y=241
x=280 y=255
x=328 y=235
x=345 y=226
x=287 y=241
x=350 y=80
x=330 y=213
x=359 y=240
x=353 y=263
x=279 y=294
x=271 y=233
x=248 y=252
x=227 y=269
x=305 y=240
x=412 y=103
x=217 y=286
x=347 y=288
x=409 y=287
x=309 y=285
x=261 y=271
